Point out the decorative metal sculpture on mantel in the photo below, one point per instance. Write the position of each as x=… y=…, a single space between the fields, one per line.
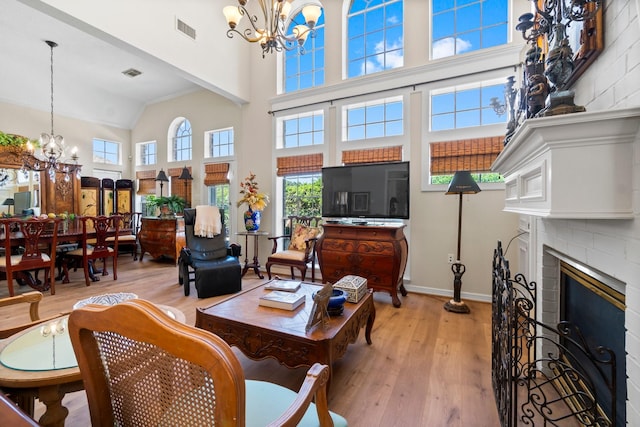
x=547 y=76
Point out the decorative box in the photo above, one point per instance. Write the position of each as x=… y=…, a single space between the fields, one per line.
x=354 y=286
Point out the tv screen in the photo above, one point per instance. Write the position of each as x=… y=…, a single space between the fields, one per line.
x=372 y=190
x=22 y=201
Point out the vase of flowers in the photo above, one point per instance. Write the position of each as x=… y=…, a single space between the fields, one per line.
x=255 y=200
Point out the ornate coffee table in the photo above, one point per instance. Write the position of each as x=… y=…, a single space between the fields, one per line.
x=262 y=332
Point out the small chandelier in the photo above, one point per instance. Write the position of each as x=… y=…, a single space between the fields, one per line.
x=271 y=31
x=52 y=148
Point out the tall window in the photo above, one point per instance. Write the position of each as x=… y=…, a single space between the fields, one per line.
x=302 y=195
x=219 y=196
x=106 y=152
x=460 y=108
x=375 y=36
x=460 y=26
x=219 y=143
x=301 y=130
x=302 y=71
x=374 y=119
x=147 y=153
x=182 y=141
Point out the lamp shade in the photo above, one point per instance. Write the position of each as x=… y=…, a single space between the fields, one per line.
x=185 y=174
x=463 y=183
x=8 y=202
x=162 y=176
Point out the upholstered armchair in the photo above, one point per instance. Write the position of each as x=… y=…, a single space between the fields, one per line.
x=301 y=251
x=208 y=260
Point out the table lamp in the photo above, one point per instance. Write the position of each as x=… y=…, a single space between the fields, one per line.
x=8 y=202
x=186 y=177
x=162 y=177
x=462 y=183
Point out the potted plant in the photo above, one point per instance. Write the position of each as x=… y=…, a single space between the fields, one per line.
x=168 y=205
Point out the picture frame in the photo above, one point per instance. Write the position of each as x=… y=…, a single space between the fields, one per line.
x=360 y=201
x=319 y=313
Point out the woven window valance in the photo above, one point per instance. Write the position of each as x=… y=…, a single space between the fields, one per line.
x=372 y=155
x=292 y=165
x=474 y=155
x=216 y=173
x=146 y=182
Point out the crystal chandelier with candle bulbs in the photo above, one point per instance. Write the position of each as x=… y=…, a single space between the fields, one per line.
x=270 y=31
x=52 y=148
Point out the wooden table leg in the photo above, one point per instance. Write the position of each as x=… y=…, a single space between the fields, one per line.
x=55 y=413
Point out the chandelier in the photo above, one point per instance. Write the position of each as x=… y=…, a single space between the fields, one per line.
x=52 y=148
x=270 y=32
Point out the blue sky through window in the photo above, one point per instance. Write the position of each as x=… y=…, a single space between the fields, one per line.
x=303 y=71
x=466 y=108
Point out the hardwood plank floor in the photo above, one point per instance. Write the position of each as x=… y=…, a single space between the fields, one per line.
x=426 y=367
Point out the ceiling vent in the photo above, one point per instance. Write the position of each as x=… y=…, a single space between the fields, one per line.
x=132 y=72
x=185 y=29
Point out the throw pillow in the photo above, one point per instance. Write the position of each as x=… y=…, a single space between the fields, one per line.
x=302 y=233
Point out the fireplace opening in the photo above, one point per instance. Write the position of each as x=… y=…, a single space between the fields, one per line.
x=598 y=311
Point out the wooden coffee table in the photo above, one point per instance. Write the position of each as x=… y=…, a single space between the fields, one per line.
x=262 y=332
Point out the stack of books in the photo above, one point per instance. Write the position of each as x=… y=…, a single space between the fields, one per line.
x=282 y=299
x=282 y=285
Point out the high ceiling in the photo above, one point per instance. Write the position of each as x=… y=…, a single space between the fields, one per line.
x=88 y=80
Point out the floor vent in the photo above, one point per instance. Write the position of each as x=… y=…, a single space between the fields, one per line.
x=185 y=29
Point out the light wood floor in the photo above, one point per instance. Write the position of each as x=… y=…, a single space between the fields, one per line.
x=426 y=367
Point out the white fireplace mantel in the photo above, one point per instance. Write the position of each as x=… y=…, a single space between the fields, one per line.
x=573 y=166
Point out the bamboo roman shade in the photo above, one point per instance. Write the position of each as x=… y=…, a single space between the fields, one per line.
x=216 y=173
x=292 y=165
x=146 y=182
x=474 y=155
x=372 y=155
x=178 y=187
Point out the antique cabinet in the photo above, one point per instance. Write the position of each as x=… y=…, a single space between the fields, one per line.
x=124 y=195
x=378 y=253
x=107 y=207
x=162 y=237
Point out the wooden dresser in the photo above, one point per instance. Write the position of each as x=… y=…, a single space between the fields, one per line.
x=162 y=237
x=378 y=253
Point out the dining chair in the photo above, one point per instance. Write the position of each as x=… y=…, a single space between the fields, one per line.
x=130 y=221
x=12 y=415
x=33 y=299
x=302 y=233
x=28 y=236
x=141 y=367
x=98 y=229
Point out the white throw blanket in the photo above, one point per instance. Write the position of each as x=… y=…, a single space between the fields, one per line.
x=208 y=223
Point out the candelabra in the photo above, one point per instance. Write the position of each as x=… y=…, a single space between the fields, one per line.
x=52 y=329
x=551 y=75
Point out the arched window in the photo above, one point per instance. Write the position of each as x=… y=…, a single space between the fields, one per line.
x=181 y=147
x=375 y=39
x=305 y=70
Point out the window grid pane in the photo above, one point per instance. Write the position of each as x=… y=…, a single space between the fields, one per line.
x=461 y=26
x=302 y=195
x=304 y=130
x=221 y=143
x=182 y=142
x=375 y=36
x=303 y=71
x=374 y=120
x=106 y=152
x=465 y=108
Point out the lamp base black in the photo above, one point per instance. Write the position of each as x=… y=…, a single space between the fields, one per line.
x=456 y=307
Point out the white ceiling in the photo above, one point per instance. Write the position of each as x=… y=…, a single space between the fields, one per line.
x=88 y=80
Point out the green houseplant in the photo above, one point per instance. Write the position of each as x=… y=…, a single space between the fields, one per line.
x=174 y=204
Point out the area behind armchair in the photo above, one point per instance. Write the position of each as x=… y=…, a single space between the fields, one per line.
x=215 y=270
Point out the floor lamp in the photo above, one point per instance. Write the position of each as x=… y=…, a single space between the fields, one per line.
x=186 y=177
x=462 y=183
x=162 y=177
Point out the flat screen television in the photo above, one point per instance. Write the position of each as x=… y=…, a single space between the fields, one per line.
x=22 y=201
x=372 y=190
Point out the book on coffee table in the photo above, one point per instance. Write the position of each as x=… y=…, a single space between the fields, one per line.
x=282 y=299
x=282 y=285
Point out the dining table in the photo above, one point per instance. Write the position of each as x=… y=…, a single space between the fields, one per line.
x=70 y=233
x=39 y=362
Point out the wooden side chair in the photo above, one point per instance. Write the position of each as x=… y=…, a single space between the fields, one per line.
x=100 y=249
x=130 y=221
x=33 y=299
x=30 y=232
x=301 y=232
x=141 y=367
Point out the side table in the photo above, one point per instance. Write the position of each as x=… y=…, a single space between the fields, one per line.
x=256 y=263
